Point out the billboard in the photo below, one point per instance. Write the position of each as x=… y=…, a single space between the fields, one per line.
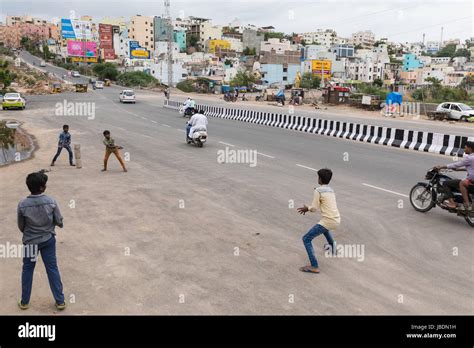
x=87 y=60
x=321 y=67
x=108 y=53
x=138 y=52
x=76 y=29
x=106 y=36
x=76 y=49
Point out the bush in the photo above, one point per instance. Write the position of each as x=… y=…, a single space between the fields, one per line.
x=106 y=71
x=371 y=89
x=310 y=81
x=186 y=86
x=137 y=79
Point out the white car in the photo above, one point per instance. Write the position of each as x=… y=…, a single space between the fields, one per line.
x=127 y=96
x=457 y=111
x=42 y=63
x=99 y=84
x=13 y=101
x=76 y=74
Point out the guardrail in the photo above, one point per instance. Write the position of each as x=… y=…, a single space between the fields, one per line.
x=444 y=144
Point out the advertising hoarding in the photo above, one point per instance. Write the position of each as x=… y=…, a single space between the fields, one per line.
x=105 y=36
x=76 y=49
x=138 y=52
x=108 y=53
x=76 y=29
x=321 y=67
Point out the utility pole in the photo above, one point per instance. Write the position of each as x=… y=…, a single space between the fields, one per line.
x=441 y=40
x=169 y=27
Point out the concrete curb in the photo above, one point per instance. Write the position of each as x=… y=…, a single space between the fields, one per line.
x=438 y=143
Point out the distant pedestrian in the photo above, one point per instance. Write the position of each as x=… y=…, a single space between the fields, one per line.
x=111 y=148
x=64 y=143
x=38 y=215
x=325 y=200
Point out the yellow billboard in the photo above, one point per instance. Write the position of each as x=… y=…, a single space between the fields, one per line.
x=222 y=44
x=321 y=67
x=81 y=59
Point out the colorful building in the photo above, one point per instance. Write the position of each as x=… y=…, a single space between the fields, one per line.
x=213 y=45
x=410 y=62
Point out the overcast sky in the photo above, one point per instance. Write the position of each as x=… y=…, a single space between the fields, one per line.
x=399 y=20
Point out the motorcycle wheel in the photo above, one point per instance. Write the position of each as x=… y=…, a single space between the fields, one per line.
x=421 y=199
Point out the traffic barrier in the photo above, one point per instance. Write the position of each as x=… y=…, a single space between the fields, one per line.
x=444 y=144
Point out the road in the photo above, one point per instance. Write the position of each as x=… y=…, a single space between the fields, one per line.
x=181 y=233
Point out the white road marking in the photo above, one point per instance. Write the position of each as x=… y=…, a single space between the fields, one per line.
x=153 y=121
x=302 y=166
x=165 y=125
x=262 y=154
x=385 y=190
x=227 y=144
x=144 y=118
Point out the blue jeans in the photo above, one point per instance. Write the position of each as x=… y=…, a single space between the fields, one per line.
x=48 y=254
x=188 y=128
x=308 y=238
x=60 y=148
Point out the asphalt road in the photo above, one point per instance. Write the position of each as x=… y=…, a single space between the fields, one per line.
x=181 y=233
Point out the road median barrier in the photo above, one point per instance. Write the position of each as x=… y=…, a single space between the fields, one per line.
x=438 y=143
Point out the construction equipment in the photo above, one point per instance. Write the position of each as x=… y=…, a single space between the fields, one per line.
x=56 y=88
x=107 y=82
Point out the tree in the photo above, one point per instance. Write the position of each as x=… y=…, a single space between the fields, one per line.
x=378 y=82
x=358 y=47
x=276 y=35
x=447 y=51
x=463 y=52
x=193 y=40
x=106 y=71
x=6 y=77
x=310 y=81
x=249 y=51
x=434 y=81
x=243 y=79
x=303 y=42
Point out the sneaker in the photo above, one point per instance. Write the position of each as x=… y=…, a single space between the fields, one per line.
x=60 y=306
x=465 y=208
x=22 y=305
x=52 y=164
x=72 y=165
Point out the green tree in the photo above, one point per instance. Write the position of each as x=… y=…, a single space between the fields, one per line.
x=276 y=35
x=243 y=79
x=193 y=40
x=249 y=51
x=106 y=71
x=6 y=76
x=310 y=81
x=463 y=52
x=447 y=51
x=378 y=82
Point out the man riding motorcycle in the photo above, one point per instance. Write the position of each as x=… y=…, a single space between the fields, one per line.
x=188 y=104
x=462 y=185
x=197 y=122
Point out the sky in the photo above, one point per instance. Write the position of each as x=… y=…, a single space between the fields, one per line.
x=398 y=20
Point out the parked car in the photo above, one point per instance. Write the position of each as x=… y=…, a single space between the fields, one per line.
x=75 y=74
x=457 y=111
x=13 y=101
x=42 y=63
x=127 y=96
x=99 y=85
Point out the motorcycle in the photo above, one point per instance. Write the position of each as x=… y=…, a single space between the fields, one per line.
x=189 y=112
x=425 y=196
x=198 y=138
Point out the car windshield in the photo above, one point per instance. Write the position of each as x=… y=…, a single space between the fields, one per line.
x=129 y=94
x=464 y=107
x=12 y=95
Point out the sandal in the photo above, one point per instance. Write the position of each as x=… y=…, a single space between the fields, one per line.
x=309 y=269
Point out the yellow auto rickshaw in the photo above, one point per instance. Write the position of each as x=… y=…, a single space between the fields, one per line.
x=56 y=88
x=81 y=87
x=107 y=82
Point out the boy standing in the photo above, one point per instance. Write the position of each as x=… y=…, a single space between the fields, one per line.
x=110 y=148
x=38 y=215
x=324 y=200
x=64 y=142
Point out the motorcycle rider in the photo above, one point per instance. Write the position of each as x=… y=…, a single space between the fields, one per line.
x=197 y=121
x=189 y=104
x=462 y=185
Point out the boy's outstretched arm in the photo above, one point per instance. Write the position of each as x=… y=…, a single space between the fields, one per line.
x=58 y=218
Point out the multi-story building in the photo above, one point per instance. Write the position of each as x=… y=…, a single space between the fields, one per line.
x=252 y=39
x=410 y=62
x=121 y=22
x=432 y=47
x=366 y=39
x=343 y=50
x=277 y=45
x=322 y=37
x=280 y=69
x=142 y=30
x=203 y=29
x=12 y=20
x=213 y=45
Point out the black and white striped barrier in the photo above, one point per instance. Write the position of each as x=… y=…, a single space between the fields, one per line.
x=444 y=144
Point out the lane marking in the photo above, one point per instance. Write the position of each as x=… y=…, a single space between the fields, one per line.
x=262 y=154
x=302 y=166
x=153 y=121
x=385 y=190
x=165 y=125
x=227 y=144
x=144 y=118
